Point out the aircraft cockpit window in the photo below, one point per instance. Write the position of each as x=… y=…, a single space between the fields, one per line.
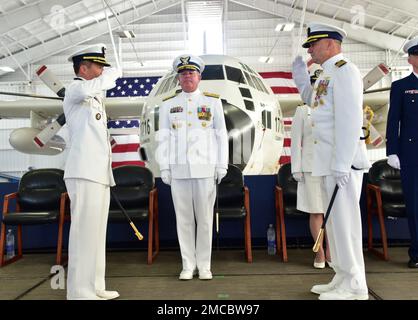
x=249 y=105
x=173 y=83
x=161 y=87
x=260 y=83
x=213 y=72
x=256 y=83
x=266 y=119
x=235 y=74
x=250 y=80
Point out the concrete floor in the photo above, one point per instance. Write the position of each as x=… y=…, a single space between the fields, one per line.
x=267 y=278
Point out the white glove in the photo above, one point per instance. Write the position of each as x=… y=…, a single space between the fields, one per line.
x=166 y=176
x=220 y=174
x=298 y=176
x=300 y=72
x=341 y=178
x=394 y=162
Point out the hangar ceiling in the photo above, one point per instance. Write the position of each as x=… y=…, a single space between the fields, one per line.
x=34 y=32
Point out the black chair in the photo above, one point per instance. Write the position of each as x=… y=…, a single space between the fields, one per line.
x=285 y=198
x=384 y=199
x=234 y=203
x=136 y=191
x=41 y=199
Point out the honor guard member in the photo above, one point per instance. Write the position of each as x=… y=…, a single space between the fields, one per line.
x=339 y=155
x=88 y=173
x=194 y=144
x=402 y=142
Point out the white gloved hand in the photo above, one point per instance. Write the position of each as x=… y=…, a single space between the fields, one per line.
x=220 y=174
x=300 y=72
x=298 y=176
x=166 y=176
x=341 y=178
x=394 y=162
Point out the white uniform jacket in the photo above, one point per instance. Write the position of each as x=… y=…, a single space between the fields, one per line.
x=193 y=140
x=337 y=118
x=301 y=140
x=89 y=156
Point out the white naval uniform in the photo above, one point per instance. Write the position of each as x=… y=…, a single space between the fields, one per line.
x=309 y=197
x=192 y=146
x=88 y=175
x=337 y=118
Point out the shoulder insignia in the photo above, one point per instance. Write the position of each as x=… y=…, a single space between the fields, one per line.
x=209 y=94
x=169 y=97
x=340 y=63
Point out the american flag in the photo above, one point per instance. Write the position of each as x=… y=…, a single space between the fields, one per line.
x=125 y=152
x=127 y=145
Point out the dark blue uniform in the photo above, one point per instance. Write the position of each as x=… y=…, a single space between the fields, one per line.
x=402 y=140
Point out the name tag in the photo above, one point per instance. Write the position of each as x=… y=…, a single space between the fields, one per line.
x=413 y=91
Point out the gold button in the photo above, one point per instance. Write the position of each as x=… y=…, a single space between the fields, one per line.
x=189 y=124
x=190 y=100
x=189 y=112
x=315 y=142
x=313 y=125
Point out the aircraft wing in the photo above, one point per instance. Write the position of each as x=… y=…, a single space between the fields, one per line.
x=377 y=101
x=116 y=108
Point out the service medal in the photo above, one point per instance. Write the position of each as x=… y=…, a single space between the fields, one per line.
x=98 y=116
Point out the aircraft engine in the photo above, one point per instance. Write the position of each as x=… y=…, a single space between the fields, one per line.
x=22 y=140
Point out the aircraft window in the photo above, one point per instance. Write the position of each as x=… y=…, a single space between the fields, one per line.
x=249 y=105
x=245 y=93
x=263 y=118
x=256 y=83
x=250 y=80
x=245 y=67
x=157 y=119
x=268 y=119
x=160 y=88
x=167 y=85
x=234 y=74
x=213 y=72
x=261 y=84
x=173 y=83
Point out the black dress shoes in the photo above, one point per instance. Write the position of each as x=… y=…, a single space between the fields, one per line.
x=412 y=264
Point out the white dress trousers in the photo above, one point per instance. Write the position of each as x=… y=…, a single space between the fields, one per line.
x=346 y=247
x=89 y=213
x=194 y=200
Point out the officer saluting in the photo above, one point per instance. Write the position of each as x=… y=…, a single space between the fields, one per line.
x=88 y=173
x=193 y=155
x=401 y=142
x=339 y=156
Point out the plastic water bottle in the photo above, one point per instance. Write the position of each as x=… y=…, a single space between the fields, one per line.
x=271 y=240
x=10 y=244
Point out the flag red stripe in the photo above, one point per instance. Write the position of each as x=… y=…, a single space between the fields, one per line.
x=131 y=163
x=129 y=147
x=284 y=90
x=284 y=159
x=284 y=75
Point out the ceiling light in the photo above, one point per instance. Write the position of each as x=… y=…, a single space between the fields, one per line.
x=126 y=34
x=284 y=27
x=266 y=59
x=6 y=69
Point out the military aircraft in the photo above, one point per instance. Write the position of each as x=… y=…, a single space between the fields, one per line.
x=252 y=113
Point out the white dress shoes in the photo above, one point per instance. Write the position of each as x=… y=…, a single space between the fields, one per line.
x=205 y=275
x=107 y=295
x=322 y=288
x=319 y=265
x=186 y=275
x=341 y=294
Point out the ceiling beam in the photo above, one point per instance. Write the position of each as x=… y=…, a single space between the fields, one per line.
x=31 y=13
x=90 y=32
x=371 y=37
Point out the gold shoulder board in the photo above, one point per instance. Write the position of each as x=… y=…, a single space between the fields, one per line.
x=169 y=97
x=209 y=94
x=340 y=63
